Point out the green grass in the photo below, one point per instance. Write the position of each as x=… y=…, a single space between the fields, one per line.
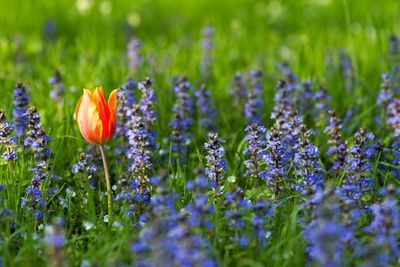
x=90 y=50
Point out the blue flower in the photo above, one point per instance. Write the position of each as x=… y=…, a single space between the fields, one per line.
x=21 y=101
x=57 y=93
x=216 y=165
x=6 y=141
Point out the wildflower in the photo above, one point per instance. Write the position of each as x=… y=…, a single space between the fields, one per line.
x=21 y=101
x=135 y=60
x=385 y=94
x=276 y=158
x=55 y=239
x=253 y=107
x=58 y=87
x=216 y=165
x=125 y=99
x=182 y=118
x=307 y=165
x=139 y=156
x=50 y=30
x=394 y=57
x=337 y=145
x=200 y=210
x=239 y=91
x=346 y=66
x=37 y=141
x=326 y=236
x=204 y=105
x=147 y=104
x=96 y=119
x=305 y=100
x=382 y=248
x=6 y=141
x=207 y=46
x=358 y=183
x=322 y=104
x=256 y=144
x=168 y=238
x=85 y=166
x=261 y=213
x=236 y=211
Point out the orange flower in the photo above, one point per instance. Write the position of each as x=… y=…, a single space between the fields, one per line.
x=96 y=119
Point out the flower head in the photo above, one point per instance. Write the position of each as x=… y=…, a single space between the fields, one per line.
x=96 y=118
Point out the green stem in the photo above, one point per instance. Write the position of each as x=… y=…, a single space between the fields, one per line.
x=108 y=183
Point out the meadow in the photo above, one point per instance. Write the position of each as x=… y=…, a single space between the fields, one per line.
x=247 y=133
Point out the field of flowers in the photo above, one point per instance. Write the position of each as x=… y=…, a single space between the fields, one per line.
x=240 y=133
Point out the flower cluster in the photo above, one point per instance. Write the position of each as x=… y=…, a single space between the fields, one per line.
x=200 y=210
x=256 y=145
x=37 y=141
x=207 y=46
x=358 y=181
x=135 y=60
x=206 y=111
x=337 y=145
x=125 y=99
x=253 y=107
x=216 y=164
x=136 y=192
x=58 y=87
x=308 y=166
x=383 y=248
x=147 y=104
x=182 y=118
x=6 y=141
x=347 y=69
x=55 y=239
x=21 y=101
x=322 y=104
x=326 y=236
x=237 y=207
x=394 y=57
x=276 y=158
x=86 y=167
x=239 y=91
x=168 y=239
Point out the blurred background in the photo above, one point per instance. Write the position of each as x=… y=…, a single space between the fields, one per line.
x=86 y=40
